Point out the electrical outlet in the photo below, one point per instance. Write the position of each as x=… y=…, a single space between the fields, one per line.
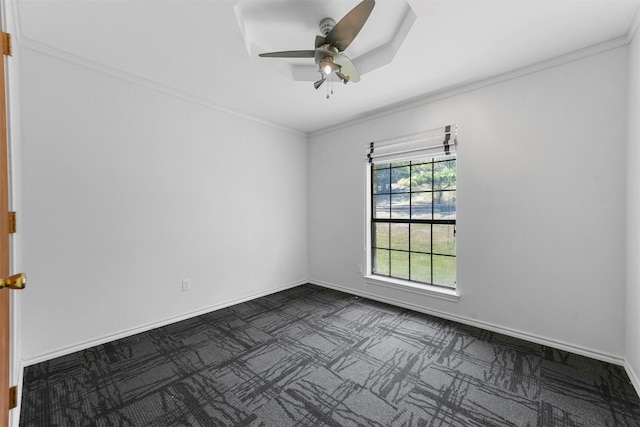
x=186 y=285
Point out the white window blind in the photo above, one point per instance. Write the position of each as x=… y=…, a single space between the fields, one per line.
x=435 y=142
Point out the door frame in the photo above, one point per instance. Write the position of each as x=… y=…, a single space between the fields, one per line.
x=11 y=88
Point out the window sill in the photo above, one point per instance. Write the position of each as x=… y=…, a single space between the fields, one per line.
x=420 y=289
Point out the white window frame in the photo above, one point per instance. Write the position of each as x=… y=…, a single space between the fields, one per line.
x=384 y=283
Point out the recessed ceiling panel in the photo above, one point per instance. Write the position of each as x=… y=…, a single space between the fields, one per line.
x=276 y=25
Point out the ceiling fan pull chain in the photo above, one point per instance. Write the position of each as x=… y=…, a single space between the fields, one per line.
x=328 y=84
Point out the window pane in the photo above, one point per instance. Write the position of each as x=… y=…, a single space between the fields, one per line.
x=421 y=205
x=444 y=205
x=400 y=237
x=380 y=166
x=400 y=264
x=400 y=182
x=421 y=179
x=382 y=206
x=444 y=175
x=421 y=161
x=381 y=234
x=444 y=270
x=400 y=205
x=381 y=262
x=444 y=241
x=400 y=164
x=380 y=179
x=421 y=267
x=422 y=190
x=421 y=238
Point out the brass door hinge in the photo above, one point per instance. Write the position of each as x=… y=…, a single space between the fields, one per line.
x=12 y=222
x=6 y=44
x=17 y=281
x=13 y=397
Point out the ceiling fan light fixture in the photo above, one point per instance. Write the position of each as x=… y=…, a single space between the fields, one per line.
x=319 y=82
x=327 y=66
x=345 y=78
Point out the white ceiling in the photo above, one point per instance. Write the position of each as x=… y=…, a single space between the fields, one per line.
x=197 y=49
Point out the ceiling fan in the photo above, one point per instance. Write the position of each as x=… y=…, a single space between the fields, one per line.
x=329 y=47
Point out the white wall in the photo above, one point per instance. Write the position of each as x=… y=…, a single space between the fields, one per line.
x=127 y=190
x=541 y=196
x=632 y=338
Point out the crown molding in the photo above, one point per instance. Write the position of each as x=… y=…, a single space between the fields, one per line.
x=419 y=101
x=466 y=87
x=64 y=56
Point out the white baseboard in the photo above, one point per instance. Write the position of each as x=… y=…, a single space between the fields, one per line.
x=635 y=380
x=449 y=316
x=594 y=354
x=144 y=328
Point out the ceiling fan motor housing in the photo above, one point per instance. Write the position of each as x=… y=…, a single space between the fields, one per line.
x=327 y=25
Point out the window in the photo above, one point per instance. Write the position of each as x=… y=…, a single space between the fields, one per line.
x=413 y=216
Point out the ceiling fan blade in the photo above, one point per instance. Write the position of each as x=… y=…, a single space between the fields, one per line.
x=348 y=28
x=290 y=54
x=319 y=82
x=346 y=67
x=319 y=41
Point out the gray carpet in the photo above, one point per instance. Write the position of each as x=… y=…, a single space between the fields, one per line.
x=311 y=356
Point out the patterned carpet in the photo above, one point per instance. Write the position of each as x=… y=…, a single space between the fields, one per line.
x=311 y=356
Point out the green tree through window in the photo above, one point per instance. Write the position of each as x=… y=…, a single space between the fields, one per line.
x=413 y=220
